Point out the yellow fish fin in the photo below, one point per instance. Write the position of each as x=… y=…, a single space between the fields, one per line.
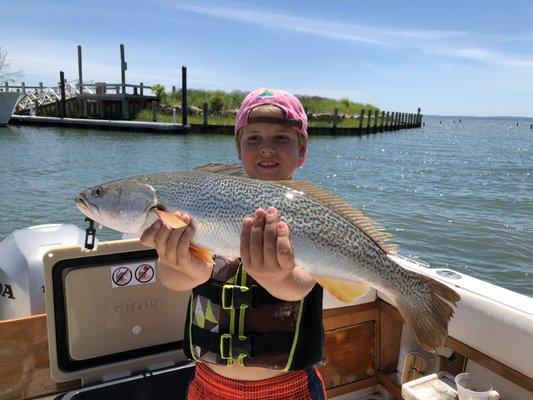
x=170 y=220
x=346 y=291
x=174 y=222
x=201 y=252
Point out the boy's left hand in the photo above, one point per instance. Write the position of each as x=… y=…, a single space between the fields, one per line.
x=266 y=250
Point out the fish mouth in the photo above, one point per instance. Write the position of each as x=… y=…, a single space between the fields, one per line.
x=85 y=205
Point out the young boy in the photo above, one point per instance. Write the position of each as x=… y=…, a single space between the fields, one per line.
x=255 y=323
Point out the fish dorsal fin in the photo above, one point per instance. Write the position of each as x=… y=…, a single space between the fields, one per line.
x=346 y=291
x=363 y=222
x=226 y=169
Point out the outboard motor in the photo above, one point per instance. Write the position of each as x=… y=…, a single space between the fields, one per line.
x=21 y=266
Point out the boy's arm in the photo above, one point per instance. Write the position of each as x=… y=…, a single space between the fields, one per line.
x=175 y=279
x=267 y=255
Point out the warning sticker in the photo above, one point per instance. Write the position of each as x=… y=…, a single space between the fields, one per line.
x=133 y=274
x=144 y=273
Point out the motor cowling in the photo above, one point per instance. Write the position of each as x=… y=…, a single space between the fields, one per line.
x=21 y=266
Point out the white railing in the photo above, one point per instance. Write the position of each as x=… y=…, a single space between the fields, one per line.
x=33 y=95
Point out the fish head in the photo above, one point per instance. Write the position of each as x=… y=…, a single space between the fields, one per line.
x=123 y=205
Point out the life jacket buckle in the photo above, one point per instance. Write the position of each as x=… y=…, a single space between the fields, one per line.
x=235 y=346
x=225 y=346
x=235 y=296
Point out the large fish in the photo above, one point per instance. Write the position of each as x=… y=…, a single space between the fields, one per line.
x=345 y=250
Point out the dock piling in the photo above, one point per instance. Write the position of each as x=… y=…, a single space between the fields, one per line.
x=80 y=74
x=184 y=95
x=63 y=106
x=361 y=117
x=335 y=116
x=123 y=68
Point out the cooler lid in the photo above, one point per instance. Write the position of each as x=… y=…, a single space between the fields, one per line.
x=108 y=314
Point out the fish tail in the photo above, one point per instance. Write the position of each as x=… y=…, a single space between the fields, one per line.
x=201 y=253
x=428 y=315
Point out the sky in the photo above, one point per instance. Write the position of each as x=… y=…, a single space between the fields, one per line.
x=449 y=58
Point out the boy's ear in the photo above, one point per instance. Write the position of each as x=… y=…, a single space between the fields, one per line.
x=238 y=144
x=302 y=151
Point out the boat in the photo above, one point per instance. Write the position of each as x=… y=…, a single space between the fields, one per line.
x=8 y=101
x=68 y=328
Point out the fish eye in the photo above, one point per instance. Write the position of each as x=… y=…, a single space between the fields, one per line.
x=97 y=192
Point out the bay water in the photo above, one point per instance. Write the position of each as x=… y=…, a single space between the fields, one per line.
x=456 y=195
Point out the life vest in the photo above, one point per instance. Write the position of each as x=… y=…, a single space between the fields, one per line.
x=232 y=319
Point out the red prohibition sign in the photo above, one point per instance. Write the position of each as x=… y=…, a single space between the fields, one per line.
x=122 y=276
x=144 y=273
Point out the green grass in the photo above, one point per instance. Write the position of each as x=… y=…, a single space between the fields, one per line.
x=220 y=101
x=146 y=115
x=232 y=101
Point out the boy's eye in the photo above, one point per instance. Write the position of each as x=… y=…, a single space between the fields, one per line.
x=283 y=138
x=252 y=138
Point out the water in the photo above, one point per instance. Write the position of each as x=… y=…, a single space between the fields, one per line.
x=454 y=195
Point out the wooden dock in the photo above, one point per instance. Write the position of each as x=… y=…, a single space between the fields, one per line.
x=120 y=125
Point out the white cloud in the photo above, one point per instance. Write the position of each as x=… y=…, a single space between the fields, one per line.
x=485 y=56
x=332 y=29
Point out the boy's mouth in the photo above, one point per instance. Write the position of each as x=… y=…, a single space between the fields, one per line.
x=268 y=164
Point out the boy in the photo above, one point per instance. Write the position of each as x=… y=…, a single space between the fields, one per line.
x=267 y=345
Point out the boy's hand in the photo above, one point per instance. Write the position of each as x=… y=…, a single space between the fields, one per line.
x=266 y=253
x=172 y=247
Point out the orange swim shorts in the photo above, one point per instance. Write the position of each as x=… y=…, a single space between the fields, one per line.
x=297 y=385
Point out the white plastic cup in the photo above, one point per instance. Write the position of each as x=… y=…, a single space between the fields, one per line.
x=473 y=387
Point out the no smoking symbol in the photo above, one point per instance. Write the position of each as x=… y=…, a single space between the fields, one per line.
x=144 y=273
x=122 y=276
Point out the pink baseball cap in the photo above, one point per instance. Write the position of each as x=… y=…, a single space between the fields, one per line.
x=295 y=114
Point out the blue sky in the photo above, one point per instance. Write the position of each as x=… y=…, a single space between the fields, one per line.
x=450 y=58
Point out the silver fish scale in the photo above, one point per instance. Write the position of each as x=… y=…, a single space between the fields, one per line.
x=325 y=242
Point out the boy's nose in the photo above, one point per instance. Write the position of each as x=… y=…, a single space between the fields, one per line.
x=267 y=150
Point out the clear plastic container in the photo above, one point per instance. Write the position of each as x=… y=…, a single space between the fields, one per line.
x=437 y=386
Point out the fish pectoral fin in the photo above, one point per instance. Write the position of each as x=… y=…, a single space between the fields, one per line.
x=170 y=220
x=202 y=253
x=346 y=291
x=173 y=221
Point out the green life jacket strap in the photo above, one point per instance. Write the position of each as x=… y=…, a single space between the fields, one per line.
x=234 y=346
x=235 y=296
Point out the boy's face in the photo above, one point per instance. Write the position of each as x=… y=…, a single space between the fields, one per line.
x=270 y=151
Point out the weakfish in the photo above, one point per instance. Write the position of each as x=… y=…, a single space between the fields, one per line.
x=345 y=250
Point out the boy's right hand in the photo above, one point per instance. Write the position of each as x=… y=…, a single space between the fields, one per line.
x=172 y=246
